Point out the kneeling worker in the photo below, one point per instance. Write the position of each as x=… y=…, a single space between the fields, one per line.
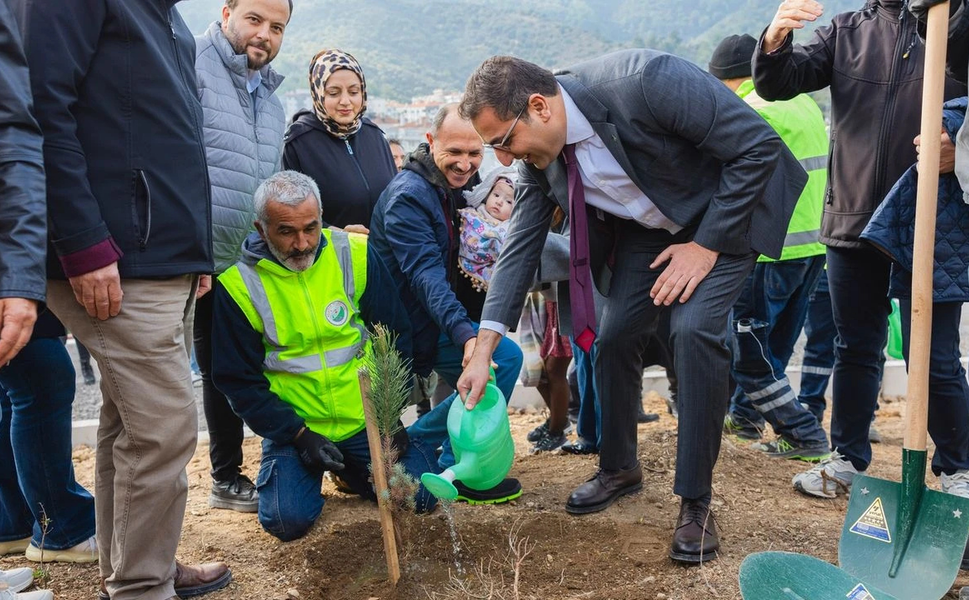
x=289 y=333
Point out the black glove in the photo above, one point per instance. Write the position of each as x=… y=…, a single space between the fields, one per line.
x=317 y=453
x=920 y=8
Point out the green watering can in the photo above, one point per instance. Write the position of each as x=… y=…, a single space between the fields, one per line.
x=483 y=448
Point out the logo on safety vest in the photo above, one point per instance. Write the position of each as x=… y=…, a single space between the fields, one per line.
x=872 y=523
x=337 y=313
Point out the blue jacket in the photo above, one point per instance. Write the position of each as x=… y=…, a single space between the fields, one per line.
x=414 y=231
x=892 y=227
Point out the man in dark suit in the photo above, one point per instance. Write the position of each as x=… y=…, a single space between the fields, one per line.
x=683 y=185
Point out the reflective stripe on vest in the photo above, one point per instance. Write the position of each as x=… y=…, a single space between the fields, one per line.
x=800 y=125
x=306 y=364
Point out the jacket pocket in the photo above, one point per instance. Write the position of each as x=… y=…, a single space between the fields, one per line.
x=141 y=208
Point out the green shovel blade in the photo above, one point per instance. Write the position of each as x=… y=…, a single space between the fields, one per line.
x=920 y=564
x=787 y=576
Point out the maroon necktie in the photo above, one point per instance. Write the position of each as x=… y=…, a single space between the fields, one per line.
x=580 y=276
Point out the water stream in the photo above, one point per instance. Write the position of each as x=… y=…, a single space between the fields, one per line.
x=448 y=508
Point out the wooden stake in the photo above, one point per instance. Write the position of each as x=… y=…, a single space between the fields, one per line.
x=380 y=481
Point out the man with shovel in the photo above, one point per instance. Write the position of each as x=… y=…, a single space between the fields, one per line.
x=858 y=275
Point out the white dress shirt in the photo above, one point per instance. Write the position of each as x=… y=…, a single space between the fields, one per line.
x=606 y=184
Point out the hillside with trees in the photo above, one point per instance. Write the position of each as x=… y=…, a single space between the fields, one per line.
x=412 y=47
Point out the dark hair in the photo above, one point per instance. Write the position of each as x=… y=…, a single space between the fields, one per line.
x=232 y=4
x=503 y=84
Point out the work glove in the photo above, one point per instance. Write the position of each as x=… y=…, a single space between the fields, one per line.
x=920 y=8
x=317 y=453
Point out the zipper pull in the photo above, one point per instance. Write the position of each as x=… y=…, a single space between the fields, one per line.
x=349 y=149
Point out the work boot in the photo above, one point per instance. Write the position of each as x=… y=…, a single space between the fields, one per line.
x=87 y=372
x=238 y=494
x=828 y=478
x=85 y=552
x=784 y=447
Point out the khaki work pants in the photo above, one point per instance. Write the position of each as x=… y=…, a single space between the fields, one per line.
x=147 y=431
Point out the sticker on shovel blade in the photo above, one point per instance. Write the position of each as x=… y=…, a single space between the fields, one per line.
x=860 y=593
x=872 y=524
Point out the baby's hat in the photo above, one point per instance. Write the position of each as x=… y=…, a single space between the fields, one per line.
x=476 y=196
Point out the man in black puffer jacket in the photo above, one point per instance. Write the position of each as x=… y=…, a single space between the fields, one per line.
x=130 y=233
x=872 y=61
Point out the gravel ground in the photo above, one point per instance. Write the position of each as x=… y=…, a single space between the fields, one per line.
x=87 y=401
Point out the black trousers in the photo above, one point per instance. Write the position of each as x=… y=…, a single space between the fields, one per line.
x=701 y=358
x=225 y=427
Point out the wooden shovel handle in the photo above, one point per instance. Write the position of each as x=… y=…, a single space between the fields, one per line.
x=920 y=339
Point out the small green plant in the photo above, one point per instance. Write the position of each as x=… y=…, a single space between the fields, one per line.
x=42 y=574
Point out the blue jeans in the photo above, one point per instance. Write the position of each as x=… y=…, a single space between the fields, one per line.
x=289 y=495
x=767 y=322
x=36 y=470
x=948 y=388
x=589 y=425
x=818 y=350
x=508 y=357
x=858 y=282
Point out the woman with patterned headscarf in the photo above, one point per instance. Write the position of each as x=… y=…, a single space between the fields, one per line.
x=336 y=145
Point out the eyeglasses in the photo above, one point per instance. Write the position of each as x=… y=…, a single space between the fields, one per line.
x=504 y=140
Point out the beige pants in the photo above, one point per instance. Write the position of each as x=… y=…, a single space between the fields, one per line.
x=148 y=428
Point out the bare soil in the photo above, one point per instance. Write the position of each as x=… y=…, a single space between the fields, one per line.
x=619 y=554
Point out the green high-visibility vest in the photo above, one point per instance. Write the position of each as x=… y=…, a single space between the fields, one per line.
x=801 y=126
x=312 y=331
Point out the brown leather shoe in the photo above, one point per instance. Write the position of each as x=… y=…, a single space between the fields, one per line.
x=192 y=580
x=696 y=539
x=603 y=489
x=195 y=580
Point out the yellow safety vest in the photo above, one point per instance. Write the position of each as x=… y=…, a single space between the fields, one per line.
x=800 y=124
x=311 y=329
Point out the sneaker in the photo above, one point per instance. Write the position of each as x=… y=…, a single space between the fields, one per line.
x=17 y=579
x=14 y=546
x=196 y=378
x=85 y=552
x=671 y=406
x=956 y=484
x=828 y=478
x=548 y=443
x=873 y=435
x=783 y=447
x=239 y=495
x=645 y=417
x=507 y=490
x=542 y=430
x=7 y=594
x=745 y=431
